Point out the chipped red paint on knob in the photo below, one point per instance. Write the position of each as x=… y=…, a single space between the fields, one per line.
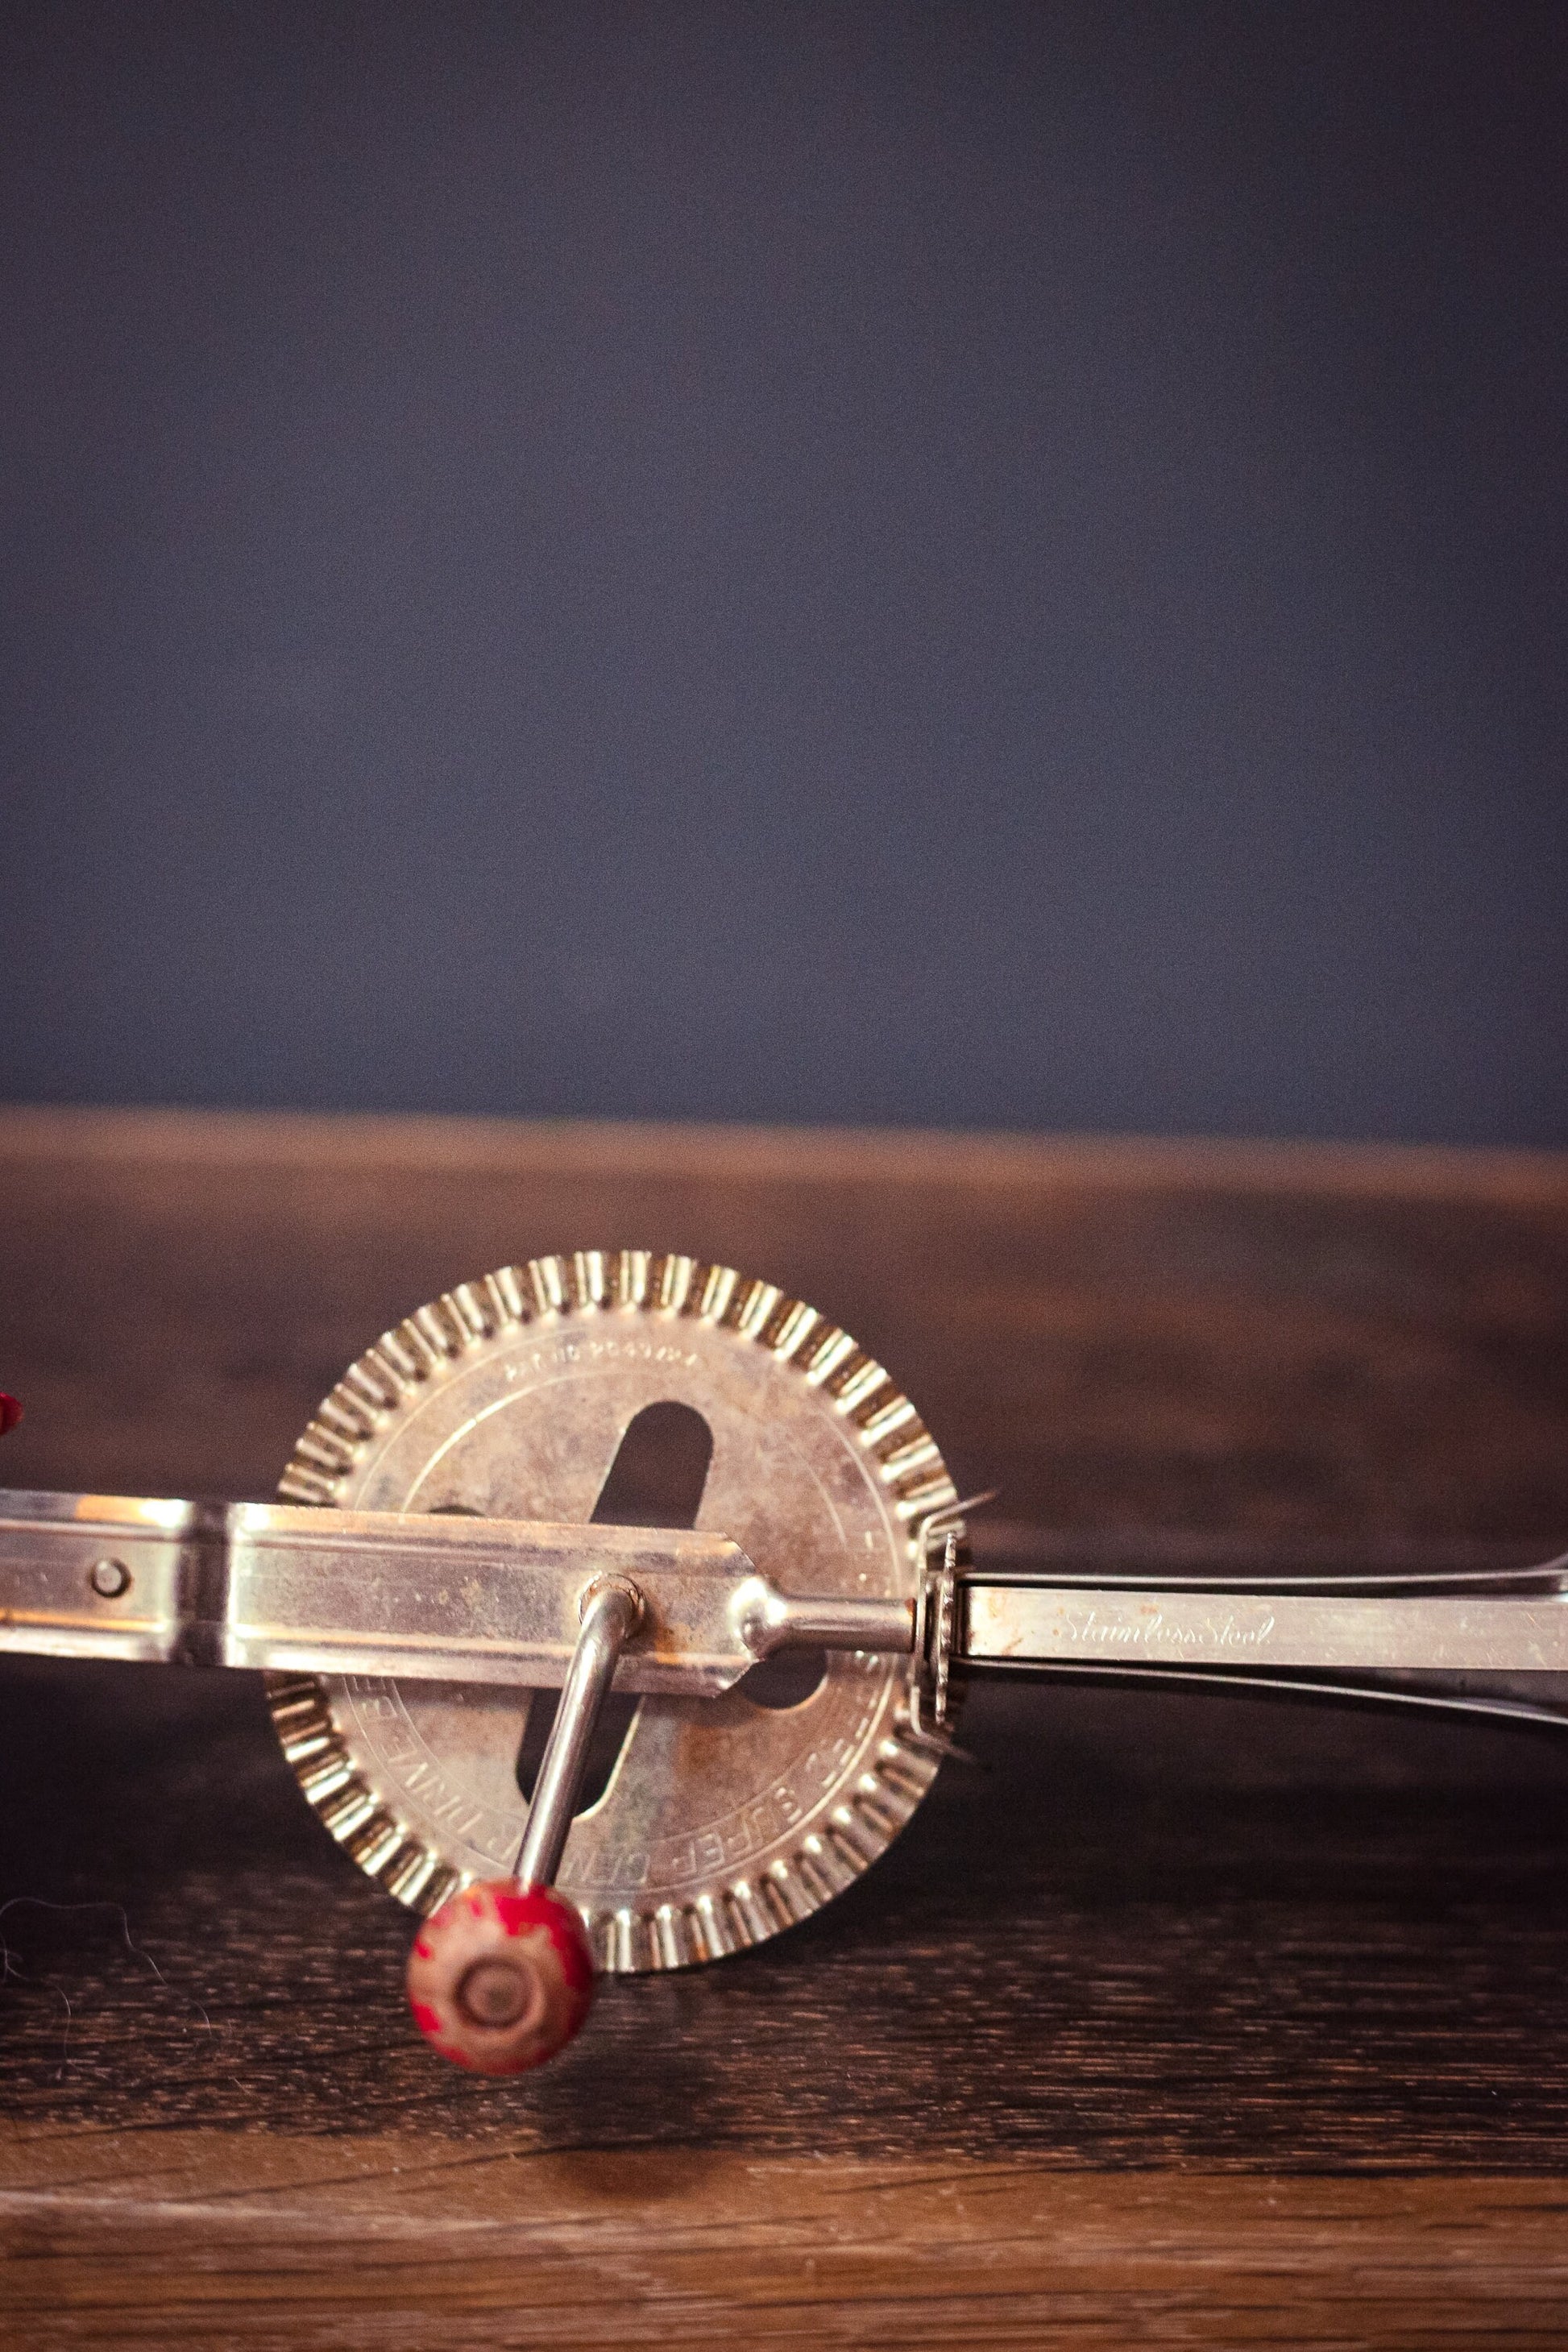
x=501 y=1977
x=10 y=1412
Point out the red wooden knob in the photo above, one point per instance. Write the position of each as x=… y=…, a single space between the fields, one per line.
x=501 y=1977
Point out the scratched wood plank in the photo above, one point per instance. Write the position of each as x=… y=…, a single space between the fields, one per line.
x=1207 y=2020
x=1310 y=1340
x=542 y=2252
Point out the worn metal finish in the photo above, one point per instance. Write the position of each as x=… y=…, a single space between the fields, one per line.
x=1487 y=1643
x=483 y=1600
x=109 y=1576
x=1476 y=1633
x=723 y=1820
x=369 y=1592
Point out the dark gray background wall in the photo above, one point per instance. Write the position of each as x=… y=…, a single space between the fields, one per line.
x=980 y=564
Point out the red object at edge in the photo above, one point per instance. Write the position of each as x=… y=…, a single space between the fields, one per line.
x=10 y=1412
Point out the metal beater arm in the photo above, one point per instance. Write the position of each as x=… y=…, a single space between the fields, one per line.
x=422 y=1596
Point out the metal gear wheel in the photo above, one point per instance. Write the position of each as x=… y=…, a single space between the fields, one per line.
x=723 y=1820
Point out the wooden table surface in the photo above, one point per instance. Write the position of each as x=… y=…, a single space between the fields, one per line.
x=1174 y=2020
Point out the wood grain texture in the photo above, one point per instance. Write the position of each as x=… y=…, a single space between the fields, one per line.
x=553 y=2252
x=1308 y=1339
x=1184 y=2020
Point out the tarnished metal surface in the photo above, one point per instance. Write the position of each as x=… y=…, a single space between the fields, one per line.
x=723 y=1819
x=1017 y=1625
x=106 y=1576
x=486 y=1601
x=272 y=1585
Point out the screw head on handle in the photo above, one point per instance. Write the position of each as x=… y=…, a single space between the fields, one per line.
x=501 y=1977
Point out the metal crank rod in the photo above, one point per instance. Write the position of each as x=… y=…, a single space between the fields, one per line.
x=502 y=1977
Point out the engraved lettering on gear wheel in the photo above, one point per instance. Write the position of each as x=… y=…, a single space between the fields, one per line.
x=723 y=1820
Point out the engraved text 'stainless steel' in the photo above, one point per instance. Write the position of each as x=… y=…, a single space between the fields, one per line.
x=435 y=1564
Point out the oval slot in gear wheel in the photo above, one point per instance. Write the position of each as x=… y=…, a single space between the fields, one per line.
x=722 y=1820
